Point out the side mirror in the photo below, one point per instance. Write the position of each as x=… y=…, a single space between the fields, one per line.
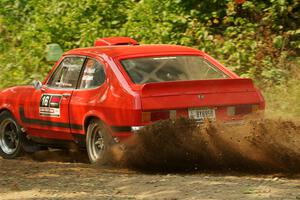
x=37 y=84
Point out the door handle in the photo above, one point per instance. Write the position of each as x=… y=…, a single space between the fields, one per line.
x=66 y=95
x=43 y=89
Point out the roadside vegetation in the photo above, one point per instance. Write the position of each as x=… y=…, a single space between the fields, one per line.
x=255 y=38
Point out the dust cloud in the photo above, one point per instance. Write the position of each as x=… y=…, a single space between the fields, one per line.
x=261 y=145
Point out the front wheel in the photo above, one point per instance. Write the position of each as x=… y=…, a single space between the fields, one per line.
x=98 y=143
x=10 y=137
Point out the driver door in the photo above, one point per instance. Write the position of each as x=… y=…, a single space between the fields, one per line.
x=48 y=113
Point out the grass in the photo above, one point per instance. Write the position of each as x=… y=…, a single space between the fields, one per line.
x=283 y=100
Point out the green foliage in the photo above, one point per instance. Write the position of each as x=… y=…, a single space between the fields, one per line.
x=257 y=39
x=283 y=100
x=26 y=27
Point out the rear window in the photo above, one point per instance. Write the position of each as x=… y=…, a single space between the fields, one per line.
x=171 y=68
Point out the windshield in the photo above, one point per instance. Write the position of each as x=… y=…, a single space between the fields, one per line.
x=171 y=68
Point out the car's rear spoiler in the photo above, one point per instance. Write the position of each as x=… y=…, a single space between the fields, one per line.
x=197 y=86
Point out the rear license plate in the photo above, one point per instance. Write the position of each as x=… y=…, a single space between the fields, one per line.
x=201 y=114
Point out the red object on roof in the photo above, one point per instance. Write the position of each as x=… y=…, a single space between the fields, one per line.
x=111 y=41
x=135 y=50
x=240 y=1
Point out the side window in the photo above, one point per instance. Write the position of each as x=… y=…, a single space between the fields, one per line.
x=67 y=73
x=93 y=74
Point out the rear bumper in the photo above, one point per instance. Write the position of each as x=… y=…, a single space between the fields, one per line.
x=120 y=135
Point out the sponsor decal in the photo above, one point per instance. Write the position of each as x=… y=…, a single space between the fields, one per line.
x=50 y=105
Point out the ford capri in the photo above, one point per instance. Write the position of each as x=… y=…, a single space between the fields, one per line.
x=96 y=96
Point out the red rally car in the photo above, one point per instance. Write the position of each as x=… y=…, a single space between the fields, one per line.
x=105 y=93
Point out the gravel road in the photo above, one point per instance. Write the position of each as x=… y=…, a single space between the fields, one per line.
x=52 y=179
x=248 y=159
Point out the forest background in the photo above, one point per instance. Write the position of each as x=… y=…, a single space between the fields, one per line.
x=259 y=39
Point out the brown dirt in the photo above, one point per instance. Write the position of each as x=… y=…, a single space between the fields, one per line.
x=208 y=161
x=265 y=146
x=25 y=179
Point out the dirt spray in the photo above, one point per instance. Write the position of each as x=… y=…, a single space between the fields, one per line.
x=265 y=145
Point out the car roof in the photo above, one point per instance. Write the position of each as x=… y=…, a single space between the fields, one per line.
x=132 y=50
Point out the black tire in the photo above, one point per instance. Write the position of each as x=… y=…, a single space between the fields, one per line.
x=11 y=137
x=98 y=143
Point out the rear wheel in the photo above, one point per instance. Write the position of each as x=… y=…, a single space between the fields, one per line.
x=10 y=137
x=98 y=143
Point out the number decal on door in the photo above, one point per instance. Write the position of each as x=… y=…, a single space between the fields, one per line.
x=50 y=105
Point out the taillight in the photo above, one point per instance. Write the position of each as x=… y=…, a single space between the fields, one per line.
x=242 y=109
x=152 y=116
x=160 y=115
